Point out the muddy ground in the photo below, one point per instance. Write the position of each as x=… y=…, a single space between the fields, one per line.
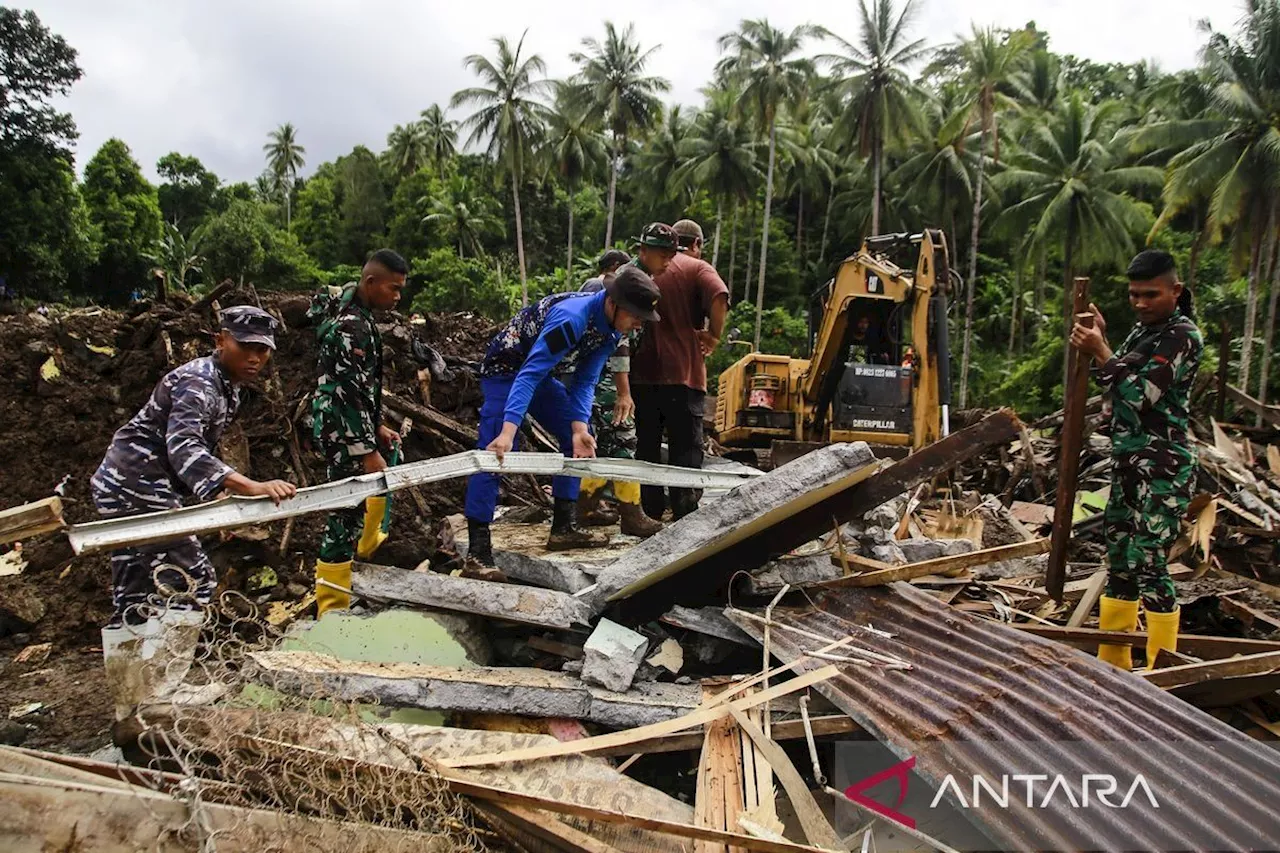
x=69 y=380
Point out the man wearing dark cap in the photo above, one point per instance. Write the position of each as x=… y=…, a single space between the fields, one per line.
x=1148 y=385
x=347 y=416
x=613 y=425
x=161 y=456
x=668 y=366
x=546 y=363
x=655 y=247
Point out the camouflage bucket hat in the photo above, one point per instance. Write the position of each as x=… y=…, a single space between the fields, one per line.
x=250 y=325
x=657 y=235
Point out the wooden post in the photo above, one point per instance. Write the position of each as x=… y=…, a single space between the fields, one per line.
x=1224 y=359
x=1075 y=395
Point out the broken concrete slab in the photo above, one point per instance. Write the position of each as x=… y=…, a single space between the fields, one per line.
x=917 y=550
x=613 y=655
x=709 y=621
x=889 y=553
x=756 y=506
x=516 y=690
x=562 y=576
x=794 y=571
x=513 y=603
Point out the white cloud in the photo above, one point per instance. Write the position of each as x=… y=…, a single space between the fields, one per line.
x=211 y=79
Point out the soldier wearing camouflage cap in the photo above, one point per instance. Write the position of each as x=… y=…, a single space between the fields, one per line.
x=1148 y=382
x=164 y=455
x=347 y=416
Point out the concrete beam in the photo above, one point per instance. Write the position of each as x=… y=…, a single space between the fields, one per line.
x=510 y=602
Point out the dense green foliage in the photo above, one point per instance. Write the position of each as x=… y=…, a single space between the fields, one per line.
x=1038 y=167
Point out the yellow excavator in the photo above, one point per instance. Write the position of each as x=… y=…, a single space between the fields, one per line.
x=879 y=369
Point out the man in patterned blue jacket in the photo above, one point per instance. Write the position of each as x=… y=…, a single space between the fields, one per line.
x=562 y=334
x=162 y=456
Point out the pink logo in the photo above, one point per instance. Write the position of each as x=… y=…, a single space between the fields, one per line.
x=902 y=771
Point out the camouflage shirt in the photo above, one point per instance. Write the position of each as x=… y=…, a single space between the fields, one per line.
x=1148 y=383
x=171 y=439
x=347 y=405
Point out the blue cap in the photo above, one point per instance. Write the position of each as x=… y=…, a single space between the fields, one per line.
x=250 y=325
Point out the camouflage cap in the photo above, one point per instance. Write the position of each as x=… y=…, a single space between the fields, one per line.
x=657 y=235
x=250 y=325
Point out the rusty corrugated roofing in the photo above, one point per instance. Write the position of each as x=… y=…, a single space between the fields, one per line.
x=986 y=699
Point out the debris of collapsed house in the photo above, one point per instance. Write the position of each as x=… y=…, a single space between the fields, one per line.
x=656 y=695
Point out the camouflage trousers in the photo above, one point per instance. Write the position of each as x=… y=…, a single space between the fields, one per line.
x=1142 y=519
x=149 y=579
x=342 y=529
x=612 y=441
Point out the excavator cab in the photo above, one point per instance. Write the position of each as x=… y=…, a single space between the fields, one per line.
x=879 y=363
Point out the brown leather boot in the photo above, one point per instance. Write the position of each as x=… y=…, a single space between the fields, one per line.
x=636 y=523
x=565 y=533
x=591 y=513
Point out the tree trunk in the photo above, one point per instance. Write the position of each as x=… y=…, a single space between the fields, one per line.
x=715 y=241
x=288 y=209
x=1042 y=264
x=751 y=245
x=764 y=236
x=568 y=263
x=1251 y=307
x=875 y=188
x=613 y=192
x=973 y=269
x=1197 y=244
x=515 y=194
x=1269 y=335
x=826 y=223
x=733 y=246
x=1017 y=303
x=1068 y=282
x=800 y=227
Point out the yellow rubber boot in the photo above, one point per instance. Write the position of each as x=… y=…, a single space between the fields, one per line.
x=1162 y=633
x=328 y=598
x=627 y=493
x=1116 y=614
x=591 y=485
x=375 y=511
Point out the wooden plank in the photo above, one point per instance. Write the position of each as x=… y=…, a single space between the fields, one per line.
x=817 y=829
x=1193 y=644
x=835 y=724
x=23 y=522
x=719 y=797
x=939 y=565
x=1197 y=673
x=1269 y=413
x=487 y=792
x=1075 y=394
x=703 y=715
x=1092 y=592
x=555 y=647
x=424 y=416
x=549 y=829
x=1225 y=445
x=865 y=564
x=212 y=296
x=1248 y=615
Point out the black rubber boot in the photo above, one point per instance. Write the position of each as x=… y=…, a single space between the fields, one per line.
x=565 y=533
x=479 y=542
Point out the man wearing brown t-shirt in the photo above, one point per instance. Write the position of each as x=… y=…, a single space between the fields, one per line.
x=669 y=370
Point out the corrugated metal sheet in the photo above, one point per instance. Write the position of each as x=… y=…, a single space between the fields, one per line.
x=980 y=693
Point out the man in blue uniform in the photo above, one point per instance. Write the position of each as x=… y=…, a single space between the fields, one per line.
x=162 y=456
x=569 y=335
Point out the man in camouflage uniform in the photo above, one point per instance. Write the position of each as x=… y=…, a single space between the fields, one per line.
x=1148 y=383
x=613 y=425
x=347 y=415
x=162 y=456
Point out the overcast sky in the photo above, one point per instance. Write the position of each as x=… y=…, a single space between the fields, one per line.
x=212 y=77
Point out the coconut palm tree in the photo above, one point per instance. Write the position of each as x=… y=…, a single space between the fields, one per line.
x=574 y=148
x=990 y=61
x=440 y=136
x=510 y=116
x=406 y=148
x=812 y=168
x=1038 y=83
x=659 y=162
x=463 y=214
x=872 y=74
x=1068 y=185
x=937 y=174
x=284 y=160
x=720 y=156
x=764 y=61
x=611 y=81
